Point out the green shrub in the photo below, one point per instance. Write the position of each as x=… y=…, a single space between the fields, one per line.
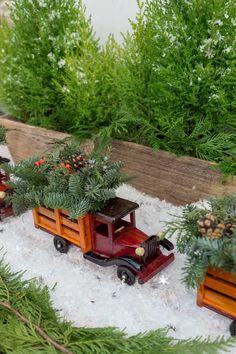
x=179 y=91
x=171 y=85
x=33 y=58
x=88 y=89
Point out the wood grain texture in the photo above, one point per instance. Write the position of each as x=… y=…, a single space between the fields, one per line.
x=178 y=180
x=26 y=140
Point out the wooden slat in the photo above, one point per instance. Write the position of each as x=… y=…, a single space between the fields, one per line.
x=68 y=232
x=46 y=212
x=220 y=303
x=220 y=286
x=218 y=273
x=70 y=224
x=178 y=180
x=47 y=223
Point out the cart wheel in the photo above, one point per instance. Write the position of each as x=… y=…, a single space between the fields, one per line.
x=61 y=244
x=232 y=328
x=126 y=275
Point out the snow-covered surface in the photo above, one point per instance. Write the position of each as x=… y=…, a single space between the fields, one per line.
x=92 y=296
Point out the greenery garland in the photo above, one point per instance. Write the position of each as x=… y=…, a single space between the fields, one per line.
x=207 y=236
x=30 y=324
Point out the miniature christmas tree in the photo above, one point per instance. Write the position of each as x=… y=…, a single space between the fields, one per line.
x=65 y=178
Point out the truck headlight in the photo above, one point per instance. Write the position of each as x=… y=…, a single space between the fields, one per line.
x=2 y=195
x=139 y=251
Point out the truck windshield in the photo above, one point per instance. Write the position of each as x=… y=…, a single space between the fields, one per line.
x=120 y=226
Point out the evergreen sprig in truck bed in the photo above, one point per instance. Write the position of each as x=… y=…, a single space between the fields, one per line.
x=109 y=237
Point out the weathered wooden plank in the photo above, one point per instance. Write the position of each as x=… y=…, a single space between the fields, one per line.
x=178 y=180
x=26 y=140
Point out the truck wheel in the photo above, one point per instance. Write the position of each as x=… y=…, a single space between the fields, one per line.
x=61 y=244
x=126 y=275
x=232 y=328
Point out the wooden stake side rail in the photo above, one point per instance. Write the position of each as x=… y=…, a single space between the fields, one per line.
x=218 y=292
x=56 y=221
x=178 y=180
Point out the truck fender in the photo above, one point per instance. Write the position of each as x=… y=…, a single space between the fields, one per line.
x=166 y=244
x=126 y=261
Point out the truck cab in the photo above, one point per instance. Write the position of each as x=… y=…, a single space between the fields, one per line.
x=117 y=241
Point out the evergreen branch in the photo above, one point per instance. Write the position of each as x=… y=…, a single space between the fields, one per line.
x=203 y=346
x=28 y=323
x=37 y=328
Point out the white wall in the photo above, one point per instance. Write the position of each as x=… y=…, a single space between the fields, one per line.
x=111 y=16
x=108 y=16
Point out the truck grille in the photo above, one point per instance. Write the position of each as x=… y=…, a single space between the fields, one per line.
x=151 y=246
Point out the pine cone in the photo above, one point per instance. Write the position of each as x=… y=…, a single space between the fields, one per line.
x=76 y=162
x=208 y=227
x=229 y=228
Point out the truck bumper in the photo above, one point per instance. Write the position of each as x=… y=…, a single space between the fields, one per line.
x=154 y=267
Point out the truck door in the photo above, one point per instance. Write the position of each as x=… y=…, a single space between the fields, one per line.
x=102 y=237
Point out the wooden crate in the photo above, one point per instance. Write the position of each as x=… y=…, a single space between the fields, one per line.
x=218 y=292
x=57 y=222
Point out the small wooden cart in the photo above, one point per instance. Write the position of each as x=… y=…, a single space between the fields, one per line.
x=218 y=293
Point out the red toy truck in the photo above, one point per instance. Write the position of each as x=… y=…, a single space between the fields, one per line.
x=109 y=237
x=5 y=206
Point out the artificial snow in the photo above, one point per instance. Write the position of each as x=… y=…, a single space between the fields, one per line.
x=92 y=296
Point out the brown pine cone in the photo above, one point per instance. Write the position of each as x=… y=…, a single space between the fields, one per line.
x=208 y=227
x=229 y=228
x=76 y=161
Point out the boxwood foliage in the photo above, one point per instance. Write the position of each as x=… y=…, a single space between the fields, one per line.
x=180 y=86
x=33 y=54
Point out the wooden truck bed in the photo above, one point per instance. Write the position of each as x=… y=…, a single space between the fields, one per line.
x=57 y=222
x=218 y=292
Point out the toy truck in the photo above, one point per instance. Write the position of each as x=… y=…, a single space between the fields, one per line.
x=5 y=205
x=109 y=237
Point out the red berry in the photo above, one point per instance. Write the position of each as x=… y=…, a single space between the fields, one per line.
x=41 y=161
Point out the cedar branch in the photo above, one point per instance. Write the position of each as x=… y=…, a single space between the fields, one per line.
x=38 y=329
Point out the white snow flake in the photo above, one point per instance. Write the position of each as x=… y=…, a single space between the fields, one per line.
x=163 y=280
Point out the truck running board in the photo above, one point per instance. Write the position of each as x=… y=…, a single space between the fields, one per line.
x=105 y=262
